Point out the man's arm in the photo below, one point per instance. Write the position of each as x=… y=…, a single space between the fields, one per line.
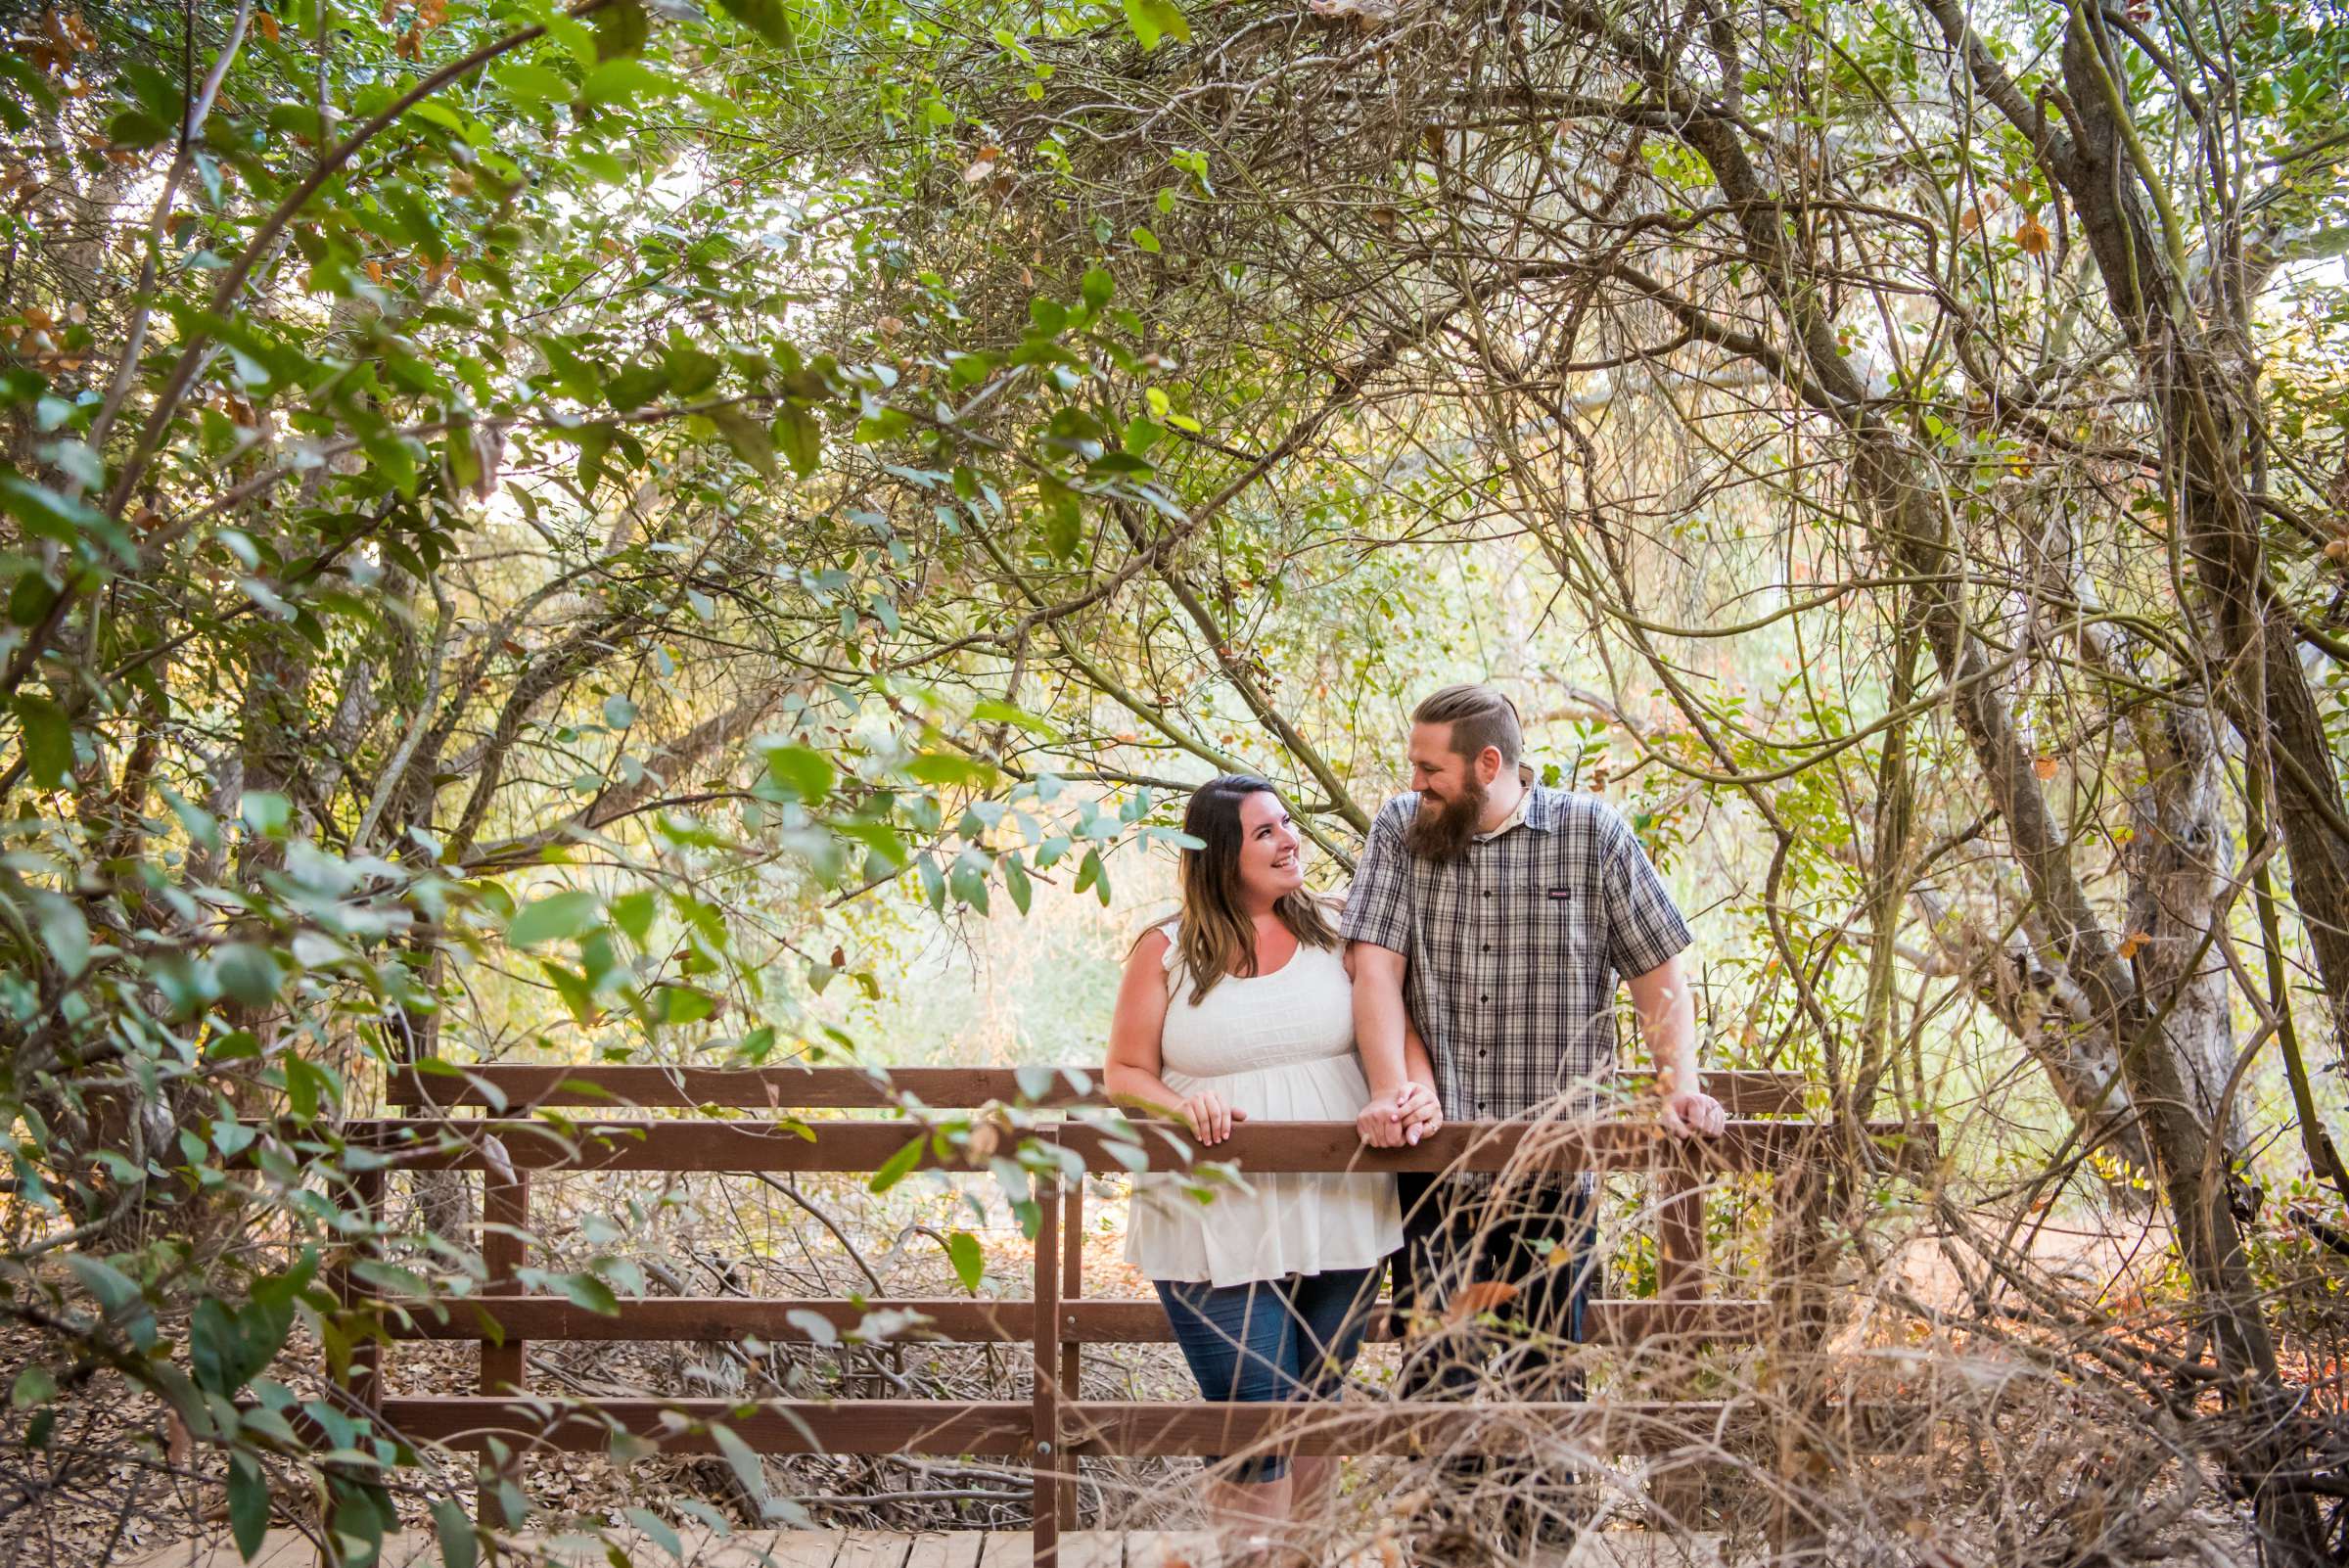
x=1668 y=1022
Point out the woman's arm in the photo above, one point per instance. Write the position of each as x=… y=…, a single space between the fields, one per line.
x=1134 y=1029
x=1410 y=1110
x=1422 y=1112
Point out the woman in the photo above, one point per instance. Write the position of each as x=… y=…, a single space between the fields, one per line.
x=1242 y=1007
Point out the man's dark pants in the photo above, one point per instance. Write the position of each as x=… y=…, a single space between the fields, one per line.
x=1453 y=1240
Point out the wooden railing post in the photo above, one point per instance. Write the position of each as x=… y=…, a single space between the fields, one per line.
x=505 y=1366
x=1678 y=1495
x=366 y=1381
x=1045 y=1472
x=1798 y=1259
x=1071 y=1351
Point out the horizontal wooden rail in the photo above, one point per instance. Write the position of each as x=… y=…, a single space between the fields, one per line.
x=441 y=1144
x=1003 y=1428
x=962 y=1320
x=518 y=1087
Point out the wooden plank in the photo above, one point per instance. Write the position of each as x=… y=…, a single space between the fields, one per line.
x=443 y=1144
x=286 y=1548
x=1090 y=1548
x=727 y=1319
x=1131 y=1427
x=763 y=1548
x=873 y=1549
x=514 y=1086
x=936 y=1548
x=1007 y=1548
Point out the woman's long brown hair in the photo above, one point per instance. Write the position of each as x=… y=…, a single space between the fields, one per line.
x=1214 y=936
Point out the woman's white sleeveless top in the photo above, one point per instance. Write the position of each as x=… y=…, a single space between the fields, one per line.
x=1279 y=1046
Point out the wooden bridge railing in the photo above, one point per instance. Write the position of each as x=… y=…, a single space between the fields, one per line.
x=1057 y=1426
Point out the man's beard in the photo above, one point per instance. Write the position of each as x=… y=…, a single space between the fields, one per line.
x=1439 y=832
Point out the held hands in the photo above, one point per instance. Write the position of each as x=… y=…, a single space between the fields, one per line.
x=1402 y=1118
x=1211 y=1120
x=1692 y=1113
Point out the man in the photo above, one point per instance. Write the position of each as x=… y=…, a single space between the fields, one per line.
x=1501 y=913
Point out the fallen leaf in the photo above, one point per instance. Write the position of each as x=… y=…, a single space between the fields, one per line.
x=2045 y=767
x=2031 y=238
x=1481 y=1296
x=2133 y=944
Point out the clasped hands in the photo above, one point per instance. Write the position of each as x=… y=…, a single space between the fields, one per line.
x=1400 y=1118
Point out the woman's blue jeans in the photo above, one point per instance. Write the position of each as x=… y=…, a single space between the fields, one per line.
x=1273 y=1339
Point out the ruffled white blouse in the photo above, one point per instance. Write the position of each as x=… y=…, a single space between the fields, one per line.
x=1280 y=1047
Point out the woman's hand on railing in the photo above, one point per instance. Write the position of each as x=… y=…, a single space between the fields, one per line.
x=1210 y=1117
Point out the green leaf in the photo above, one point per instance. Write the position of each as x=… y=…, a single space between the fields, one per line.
x=571 y=913
x=1064 y=524
x=113 y=1289
x=637 y=385
x=1016 y=883
x=48 y=741
x=768 y=19
x=807 y=774
x=51 y=516
x=949 y=770
x=994 y=711
x=248 y=973
x=33 y=1386
x=970 y=1264
x=63 y=932
x=1141 y=235
x=247 y=1504
x=898 y=1166
x=618 y=81
x=458 y=1547
x=682 y=1004
x=653 y=1524
x=752 y=442
x=634 y=913
x=968 y=881
x=800 y=437
x=1098 y=287
x=268 y=812
x=743 y=1462
x=621 y=29
x=586 y=1291
x=136 y=128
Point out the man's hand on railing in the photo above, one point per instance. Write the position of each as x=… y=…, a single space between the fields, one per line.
x=1402 y=1118
x=1692 y=1113
x=1210 y=1117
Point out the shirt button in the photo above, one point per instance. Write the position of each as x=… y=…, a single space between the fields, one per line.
x=1488 y=947
x=1483 y=1051
x=1484 y=998
x=1488 y=893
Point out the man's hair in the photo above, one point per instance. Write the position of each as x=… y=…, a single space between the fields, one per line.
x=1479 y=716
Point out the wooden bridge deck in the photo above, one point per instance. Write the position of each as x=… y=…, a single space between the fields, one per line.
x=877 y=1548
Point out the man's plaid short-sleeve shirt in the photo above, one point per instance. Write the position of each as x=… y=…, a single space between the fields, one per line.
x=1512 y=953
